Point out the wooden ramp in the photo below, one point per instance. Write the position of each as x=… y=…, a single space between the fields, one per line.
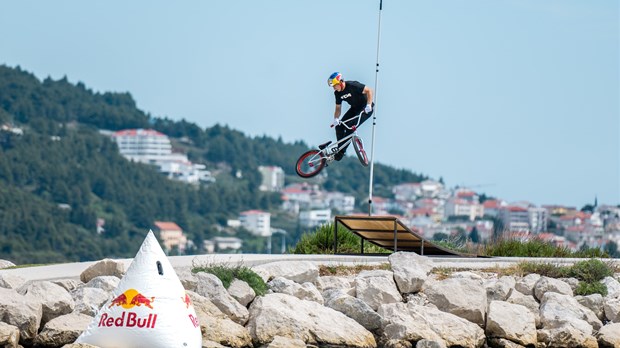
x=390 y=233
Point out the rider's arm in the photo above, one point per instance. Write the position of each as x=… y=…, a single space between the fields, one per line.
x=338 y=110
x=368 y=93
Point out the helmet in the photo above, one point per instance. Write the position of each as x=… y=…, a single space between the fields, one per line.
x=334 y=79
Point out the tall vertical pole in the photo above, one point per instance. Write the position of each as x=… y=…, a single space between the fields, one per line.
x=374 y=116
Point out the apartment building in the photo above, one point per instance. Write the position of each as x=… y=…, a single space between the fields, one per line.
x=462 y=207
x=312 y=218
x=539 y=218
x=257 y=222
x=515 y=219
x=171 y=236
x=272 y=178
x=152 y=147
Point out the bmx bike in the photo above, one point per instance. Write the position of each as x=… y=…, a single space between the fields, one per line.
x=312 y=162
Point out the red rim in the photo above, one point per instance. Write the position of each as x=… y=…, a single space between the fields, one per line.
x=308 y=170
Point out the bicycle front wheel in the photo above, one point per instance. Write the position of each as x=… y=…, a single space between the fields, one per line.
x=310 y=164
x=359 y=151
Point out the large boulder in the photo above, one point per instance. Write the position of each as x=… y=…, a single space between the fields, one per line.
x=22 y=312
x=287 y=316
x=353 y=308
x=464 y=297
x=62 y=330
x=105 y=267
x=377 y=288
x=56 y=301
x=512 y=322
x=410 y=270
x=212 y=288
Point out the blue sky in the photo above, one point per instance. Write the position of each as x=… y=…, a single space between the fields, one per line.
x=519 y=99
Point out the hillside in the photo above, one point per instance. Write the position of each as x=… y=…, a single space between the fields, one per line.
x=61 y=174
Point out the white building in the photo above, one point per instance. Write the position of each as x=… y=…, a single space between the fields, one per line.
x=256 y=221
x=463 y=207
x=539 y=218
x=273 y=178
x=227 y=243
x=312 y=218
x=342 y=203
x=413 y=191
x=152 y=147
x=515 y=219
x=144 y=145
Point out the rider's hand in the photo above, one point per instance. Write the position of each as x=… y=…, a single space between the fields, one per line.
x=368 y=108
x=336 y=122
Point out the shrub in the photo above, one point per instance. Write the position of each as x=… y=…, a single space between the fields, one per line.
x=590 y=271
x=321 y=241
x=227 y=274
x=585 y=289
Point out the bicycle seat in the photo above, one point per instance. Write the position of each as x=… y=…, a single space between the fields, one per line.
x=322 y=146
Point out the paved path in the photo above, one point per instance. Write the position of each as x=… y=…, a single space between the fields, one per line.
x=73 y=270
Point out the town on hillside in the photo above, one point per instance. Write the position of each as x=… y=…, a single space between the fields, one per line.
x=429 y=207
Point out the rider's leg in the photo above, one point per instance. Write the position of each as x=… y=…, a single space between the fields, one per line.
x=342 y=131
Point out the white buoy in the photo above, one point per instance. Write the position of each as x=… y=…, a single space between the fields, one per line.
x=149 y=308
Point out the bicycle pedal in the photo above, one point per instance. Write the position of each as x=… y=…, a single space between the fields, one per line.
x=322 y=146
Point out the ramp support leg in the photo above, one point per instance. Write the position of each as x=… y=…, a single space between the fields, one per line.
x=422 y=248
x=395 y=236
x=336 y=236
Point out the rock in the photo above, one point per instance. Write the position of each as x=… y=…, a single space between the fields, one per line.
x=22 y=312
x=499 y=289
x=68 y=284
x=297 y=271
x=62 y=330
x=89 y=300
x=105 y=267
x=287 y=316
x=411 y=322
x=305 y=291
x=212 y=288
x=6 y=264
x=526 y=284
x=241 y=291
x=612 y=309
x=529 y=302
x=410 y=270
x=465 y=298
x=556 y=308
x=546 y=284
x=216 y=327
x=377 y=288
x=11 y=281
x=593 y=302
x=353 y=308
x=285 y=342
x=613 y=287
x=512 y=322
x=9 y=335
x=609 y=336
x=55 y=300
x=105 y=283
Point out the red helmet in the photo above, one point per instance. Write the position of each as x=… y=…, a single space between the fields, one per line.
x=334 y=79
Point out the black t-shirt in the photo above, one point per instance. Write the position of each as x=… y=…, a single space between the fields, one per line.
x=352 y=94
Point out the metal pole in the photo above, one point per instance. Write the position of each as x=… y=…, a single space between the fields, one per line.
x=374 y=116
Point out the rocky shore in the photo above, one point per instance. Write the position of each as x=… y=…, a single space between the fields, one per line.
x=405 y=306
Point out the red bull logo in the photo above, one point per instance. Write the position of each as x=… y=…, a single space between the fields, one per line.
x=128 y=319
x=131 y=298
x=127 y=300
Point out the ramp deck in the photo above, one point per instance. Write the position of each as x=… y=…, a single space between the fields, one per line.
x=390 y=233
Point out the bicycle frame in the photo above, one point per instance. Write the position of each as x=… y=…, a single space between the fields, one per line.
x=312 y=162
x=330 y=150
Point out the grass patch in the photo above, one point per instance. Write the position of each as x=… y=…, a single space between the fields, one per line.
x=321 y=241
x=227 y=273
x=533 y=247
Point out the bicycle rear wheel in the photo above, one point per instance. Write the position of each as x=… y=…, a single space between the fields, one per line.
x=310 y=164
x=359 y=151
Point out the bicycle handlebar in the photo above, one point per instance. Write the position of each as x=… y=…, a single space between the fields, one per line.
x=344 y=123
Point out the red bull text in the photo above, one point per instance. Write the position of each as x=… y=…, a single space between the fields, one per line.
x=128 y=319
